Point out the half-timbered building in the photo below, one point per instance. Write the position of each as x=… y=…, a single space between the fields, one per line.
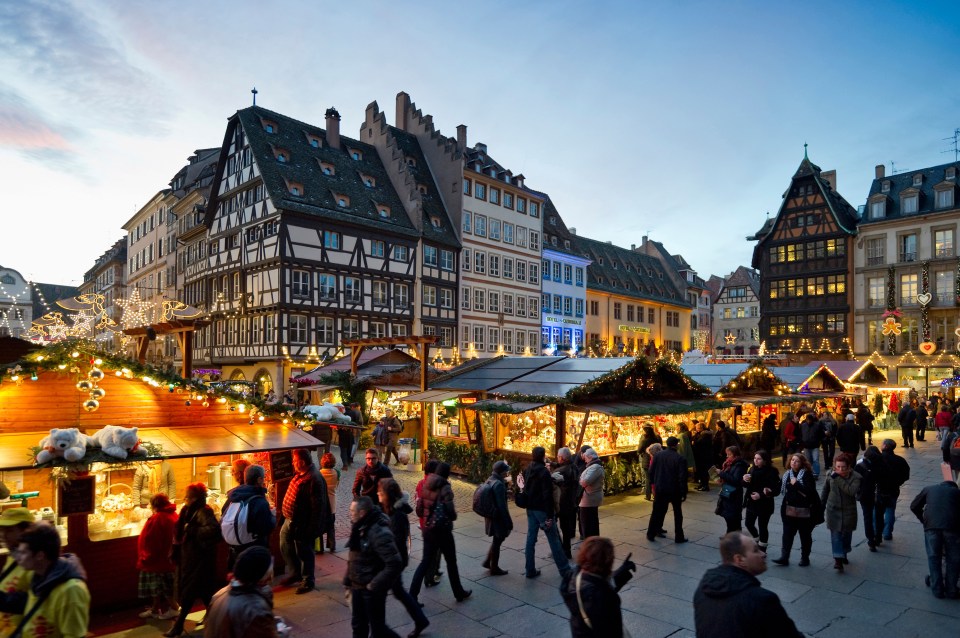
x=307 y=244
x=736 y=314
x=804 y=256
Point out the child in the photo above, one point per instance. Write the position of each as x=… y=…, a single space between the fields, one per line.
x=331 y=475
x=156 y=567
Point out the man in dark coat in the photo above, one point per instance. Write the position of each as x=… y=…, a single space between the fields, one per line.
x=373 y=567
x=500 y=525
x=865 y=421
x=345 y=435
x=703 y=454
x=893 y=472
x=849 y=436
x=907 y=418
x=730 y=603
x=569 y=491
x=923 y=417
x=811 y=436
x=368 y=477
x=668 y=473
x=305 y=508
x=247 y=601
x=938 y=508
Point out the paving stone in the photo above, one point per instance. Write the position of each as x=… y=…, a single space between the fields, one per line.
x=522 y=622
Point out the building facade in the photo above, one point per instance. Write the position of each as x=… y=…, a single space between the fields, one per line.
x=805 y=259
x=16 y=304
x=906 y=270
x=736 y=314
x=564 y=274
x=107 y=278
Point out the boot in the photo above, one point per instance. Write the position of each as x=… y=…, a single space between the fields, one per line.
x=838 y=564
x=784 y=560
x=805 y=561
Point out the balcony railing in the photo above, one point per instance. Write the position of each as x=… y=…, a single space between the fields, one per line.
x=875 y=303
x=944 y=252
x=908 y=256
x=877 y=260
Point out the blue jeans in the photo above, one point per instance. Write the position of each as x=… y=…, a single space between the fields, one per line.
x=535 y=519
x=813 y=455
x=840 y=543
x=942 y=545
x=886 y=514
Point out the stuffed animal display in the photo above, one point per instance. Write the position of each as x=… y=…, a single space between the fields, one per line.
x=68 y=443
x=328 y=412
x=117 y=441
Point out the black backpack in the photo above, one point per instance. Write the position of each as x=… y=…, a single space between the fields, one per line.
x=484 y=500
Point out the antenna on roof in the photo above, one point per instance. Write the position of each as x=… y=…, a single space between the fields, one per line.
x=805 y=151
x=254 y=91
x=955 y=138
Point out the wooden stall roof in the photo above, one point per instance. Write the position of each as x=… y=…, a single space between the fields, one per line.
x=502 y=405
x=368 y=358
x=560 y=375
x=434 y=396
x=647 y=408
x=492 y=373
x=856 y=371
x=182 y=442
x=398 y=387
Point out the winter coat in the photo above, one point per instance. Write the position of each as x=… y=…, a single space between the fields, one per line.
x=668 y=474
x=260 y=520
x=592 y=482
x=241 y=611
x=839 y=497
x=570 y=490
x=311 y=508
x=198 y=534
x=155 y=543
x=686 y=450
x=938 y=507
x=811 y=433
x=803 y=494
x=733 y=475
x=648 y=439
x=943 y=419
x=907 y=417
x=538 y=486
x=768 y=433
x=368 y=478
x=850 y=437
x=502 y=524
x=730 y=603
x=865 y=418
x=436 y=492
x=703 y=449
x=789 y=431
x=868 y=481
x=375 y=561
x=829 y=425
x=65 y=612
x=894 y=472
x=760 y=478
x=601 y=603
x=953 y=452
x=399 y=518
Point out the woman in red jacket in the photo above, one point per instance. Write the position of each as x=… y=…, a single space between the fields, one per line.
x=154 y=547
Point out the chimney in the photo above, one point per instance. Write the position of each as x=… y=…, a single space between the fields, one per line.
x=880 y=171
x=831 y=178
x=573 y=231
x=462 y=136
x=633 y=246
x=333 y=127
x=403 y=107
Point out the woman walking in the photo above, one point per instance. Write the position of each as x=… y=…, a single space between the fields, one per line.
x=589 y=593
x=762 y=485
x=195 y=544
x=800 y=509
x=500 y=525
x=730 y=503
x=840 y=498
x=396 y=505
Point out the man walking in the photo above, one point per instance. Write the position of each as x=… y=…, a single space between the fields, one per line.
x=668 y=473
x=811 y=436
x=304 y=510
x=907 y=418
x=373 y=566
x=569 y=490
x=390 y=428
x=541 y=515
x=368 y=477
x=894 y=471
x=849 y=436
x=938 y=508
x=865 y=421
x=730 y=603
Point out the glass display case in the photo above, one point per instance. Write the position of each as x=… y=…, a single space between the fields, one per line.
x=381 y=401
x=445 y=420
x=527 y=430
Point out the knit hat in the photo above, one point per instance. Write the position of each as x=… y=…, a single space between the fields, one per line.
x=850 y=417
x=252 y=564
x=501 y=467
x=673 y=441
x=15 y=516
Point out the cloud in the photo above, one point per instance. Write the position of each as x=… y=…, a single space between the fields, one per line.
x=24 y=129
x=65 y=55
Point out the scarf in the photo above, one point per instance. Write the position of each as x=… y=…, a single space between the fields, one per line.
x=358 y=528
x=785 y=481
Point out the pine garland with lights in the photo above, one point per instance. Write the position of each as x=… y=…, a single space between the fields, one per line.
x=756 y=377
x=956 y=282
x=891 y=305
x=924 y=289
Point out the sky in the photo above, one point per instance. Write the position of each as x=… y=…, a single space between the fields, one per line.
x=681 y=120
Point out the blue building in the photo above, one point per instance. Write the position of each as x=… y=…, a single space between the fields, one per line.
x=563 y=308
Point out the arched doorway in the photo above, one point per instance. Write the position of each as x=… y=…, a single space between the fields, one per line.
x=238 y=375
x=264 y=382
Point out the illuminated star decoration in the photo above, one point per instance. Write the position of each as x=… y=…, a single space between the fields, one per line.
x=82 y=324
x=134 y=310
x=730 y=338
x=891 y=326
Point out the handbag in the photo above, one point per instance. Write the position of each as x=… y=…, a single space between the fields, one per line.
x=520 y=498
x=583 y=612
x=727 y=490
x=797 y=512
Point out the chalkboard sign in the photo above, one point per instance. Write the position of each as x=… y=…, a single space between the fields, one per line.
x=77 y=497
x=281 y=465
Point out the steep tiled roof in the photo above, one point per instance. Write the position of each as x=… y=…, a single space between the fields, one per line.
x=678 y=263
x=477 y=157
x=556 y=235
x=432 y=202
x=198 y=172
x=304 y=167
x=742 y=276
x=626 y=272
x=904 y=181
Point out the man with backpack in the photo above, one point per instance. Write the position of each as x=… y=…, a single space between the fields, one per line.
x=490 y=502
x=246 y=519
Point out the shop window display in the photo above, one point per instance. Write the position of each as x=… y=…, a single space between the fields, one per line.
x=525 y=431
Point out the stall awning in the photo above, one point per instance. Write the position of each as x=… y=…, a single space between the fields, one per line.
x=434 y=396
x=179 y=442
x=398 y=388
x=649 y=408
x=316 y=388
x=501 y=405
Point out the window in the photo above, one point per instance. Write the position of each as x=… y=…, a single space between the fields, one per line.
x=534 y=307
x=507 y=233
x=479 y=262
x=480 y=226
x=466 y=187
x=446 y=298
x=815 y=286
x=479 y=300
x=465 y=302
x=521 y=308
x=352 y=290
x=727 y=313
x=567 y=274
x=918 y=179
x=534 y=273
x=651 y=316
x=494 y=341
x=875 y=251
x=568 y=306
x=328 y=287
x=446 y=337
x=328 y=169
x=478 y=337
x=908 y=247
x=401 y=296
x=943 y=285
x=579 y=307
x=836 y=323
x=480 y=191
x=298 y=329
x=494 y=229
x=579 y=273
x=507 y=336
x=521 y=271
x=836 y=247
x=331 y=240
x=508 y=267
x=379 y=289
x=616 y=310
x=909 y=204
x=521 y=237
x=401 y=253
x=534 y=240
x=631 y=312
x=494 y=265
x=300 y=283
x=943 y=243
x=909 y=287
x=534 y=209
x=945 y=198
x=494 y=195
x=356 y=155
x=521 y=205
x=430 y=256
x=377 y=329
x=467 y=226
x=595 y=308
x=325 y=331
x=446 y=260
x=555 y=270
x=493 y=301
x=384 y=212
x=376 y=248
x=836 y=284
x=465 y=261
x=508 y=199
x=399 y=330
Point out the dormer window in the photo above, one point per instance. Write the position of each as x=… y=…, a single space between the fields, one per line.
x=342 y=200
x=951 y=172
x=885 y=186
x=327 y=168
x=566 y=244
x=553 y=220
x=600 y=260
x=314 y=142
x=295 y=188
x=422 y=189
x=269 y=126
x=283 y=157
x=435 y=222
x=945 y=197
x=918 y=179
x=356 y=155
x=909 y=204
x=410 y=161
x=383 y=211
x=368 y=181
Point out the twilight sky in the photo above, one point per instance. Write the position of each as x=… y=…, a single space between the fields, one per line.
x=681 y=119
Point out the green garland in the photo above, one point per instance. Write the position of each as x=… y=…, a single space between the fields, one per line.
x=924 y=314
x=891 y=305
x=97 y=455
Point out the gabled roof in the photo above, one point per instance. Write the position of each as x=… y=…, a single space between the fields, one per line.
x=555 y=227
x=904 y=181
x=303 y=167
x=742 y=276
x=625 y=272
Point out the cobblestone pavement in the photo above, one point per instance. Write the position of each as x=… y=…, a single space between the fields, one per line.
x=880 y=592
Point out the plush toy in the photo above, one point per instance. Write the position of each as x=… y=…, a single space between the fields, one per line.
x=68 y=443
x=328 y=412
x=117 y=441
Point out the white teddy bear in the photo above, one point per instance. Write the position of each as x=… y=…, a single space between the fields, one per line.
x=117 y=441
x=68 y=443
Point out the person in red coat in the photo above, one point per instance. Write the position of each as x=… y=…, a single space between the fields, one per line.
x=154 y=548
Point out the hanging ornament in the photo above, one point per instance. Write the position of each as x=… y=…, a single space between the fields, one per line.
x=91 y=405
x=95 y=374
x=98 y=393
x=84 y=386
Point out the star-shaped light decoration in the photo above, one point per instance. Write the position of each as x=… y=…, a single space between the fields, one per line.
x=82 y=324
x=134 y=310
x=730 y=338
x=891 y=326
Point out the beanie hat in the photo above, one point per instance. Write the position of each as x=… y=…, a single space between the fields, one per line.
x=673 y=441
x=501 y=467
x=252 y=564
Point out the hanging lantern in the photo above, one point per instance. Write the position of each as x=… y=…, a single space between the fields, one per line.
x=84 y=386
x=95 y=374
x=98 y=393
x=91 y=405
